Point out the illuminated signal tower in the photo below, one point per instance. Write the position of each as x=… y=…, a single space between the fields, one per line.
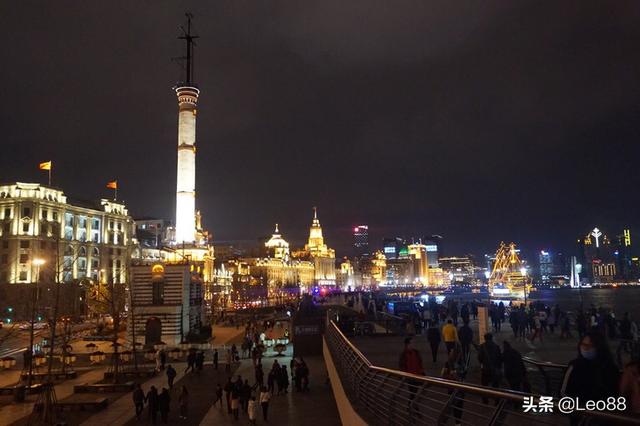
x=508 y=275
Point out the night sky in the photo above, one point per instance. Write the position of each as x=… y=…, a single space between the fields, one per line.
x=478 y=121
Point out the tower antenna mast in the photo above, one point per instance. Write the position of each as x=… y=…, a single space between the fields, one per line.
x=189 y=38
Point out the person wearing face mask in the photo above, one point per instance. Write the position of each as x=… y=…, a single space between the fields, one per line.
x=593 y=375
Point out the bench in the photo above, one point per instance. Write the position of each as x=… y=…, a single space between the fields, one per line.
x=38 y=377
x=103 y=387
x=78 y=404
x=97 y=338
x=144 y=373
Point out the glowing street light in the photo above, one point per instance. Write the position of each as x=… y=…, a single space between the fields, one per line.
x=37 y=262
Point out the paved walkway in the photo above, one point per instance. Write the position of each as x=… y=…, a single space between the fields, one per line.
x=121 y=410
x=17 y=413
x=314 y=407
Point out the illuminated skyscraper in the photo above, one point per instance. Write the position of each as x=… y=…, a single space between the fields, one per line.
x=545 y=262
x=391 y=247
x=434 y=249
x=361 y=239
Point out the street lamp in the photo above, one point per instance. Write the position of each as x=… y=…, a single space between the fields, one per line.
x=523 y=271
x=37 y=262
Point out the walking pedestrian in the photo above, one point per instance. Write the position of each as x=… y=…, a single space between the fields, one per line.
x=630 y=386
x=218 y=396
x=449 y=335
x=284 y=379
x=191 y=362
x=215 y=359
x=490 y=363
x=199 y=361
x=304 y=372
x=163 y=359
x=252 y=408
x=465 y=334
x=271 y=379
x=245 y=395
x=433 y=336
x=138 y=400
x=158 y=363
x=537 y=329
x=235 y=402
x=453 y=370
x=265 y=397
x=514 y=369
x=171 y=375
x=164 y=402
x=593 y=375
x=228 y=387
x=183 y=399
x=411 y=362
x=152 y=404
x=228 y=359
x=259 y=375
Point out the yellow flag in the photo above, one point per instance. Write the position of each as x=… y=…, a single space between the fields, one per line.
x=45 y=166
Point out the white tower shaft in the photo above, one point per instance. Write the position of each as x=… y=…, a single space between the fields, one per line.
x=186 y=179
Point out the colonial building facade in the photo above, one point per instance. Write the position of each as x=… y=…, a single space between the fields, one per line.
x=44 y=233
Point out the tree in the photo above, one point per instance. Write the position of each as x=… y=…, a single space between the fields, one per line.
x=110 y=297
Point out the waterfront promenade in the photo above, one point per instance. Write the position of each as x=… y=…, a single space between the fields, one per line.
x=316 y=406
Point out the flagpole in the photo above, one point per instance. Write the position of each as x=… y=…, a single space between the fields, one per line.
x=115 y=193
x=49 y=175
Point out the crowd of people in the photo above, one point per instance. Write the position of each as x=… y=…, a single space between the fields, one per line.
x=237 y=397
x=592 y=375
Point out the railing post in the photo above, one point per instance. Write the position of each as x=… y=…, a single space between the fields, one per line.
x=497 y=413
x=444 y=414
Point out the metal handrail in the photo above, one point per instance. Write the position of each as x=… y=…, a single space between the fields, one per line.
x=537 y=363
x=386 y=396
x=552 y=375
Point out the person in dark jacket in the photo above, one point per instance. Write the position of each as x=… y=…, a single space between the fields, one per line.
x=514 y=370
x=465 y=335
x=228 y=388
x=245 y=395
x=138 y=400
x=152 y=404
x=215 y=359
x=593 y=375
x=259 y=376
x=490 y=363
x=191 y=362
x=284 y=379
x=434 y=338
x=164 y=401
x=171 y=375
x=163 y=359
x=199 y=361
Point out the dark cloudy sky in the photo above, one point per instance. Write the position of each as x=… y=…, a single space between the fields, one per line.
x=479 y=121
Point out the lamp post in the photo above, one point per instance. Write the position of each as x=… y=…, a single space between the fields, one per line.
x=523 y=271
x=37 y=262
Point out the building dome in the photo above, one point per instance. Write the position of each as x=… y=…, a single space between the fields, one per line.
x=278 y=245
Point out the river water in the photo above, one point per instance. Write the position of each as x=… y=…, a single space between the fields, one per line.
x=619 y=299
